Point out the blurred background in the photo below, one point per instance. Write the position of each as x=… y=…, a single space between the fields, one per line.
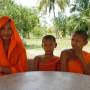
x=37 y=18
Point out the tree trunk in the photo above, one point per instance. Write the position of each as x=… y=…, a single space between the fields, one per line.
x=56 y=30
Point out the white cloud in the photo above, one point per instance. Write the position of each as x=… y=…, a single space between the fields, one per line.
x=27 y=3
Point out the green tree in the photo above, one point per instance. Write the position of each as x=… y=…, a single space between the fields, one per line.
x=49 y=5
x=83 y=9
x=60 y=23
x=80 y=5
x=25 y=18
x=39 y=31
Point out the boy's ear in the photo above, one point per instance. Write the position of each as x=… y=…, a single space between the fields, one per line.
x=55 y=45
x=86 y=42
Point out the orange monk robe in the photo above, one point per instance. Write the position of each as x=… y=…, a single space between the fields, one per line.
x=76 y=66
x=16 y=58
x=50 y=65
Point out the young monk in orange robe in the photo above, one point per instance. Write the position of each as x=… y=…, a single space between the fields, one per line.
x=12 y=51
x=47 y=62
x=75 y=59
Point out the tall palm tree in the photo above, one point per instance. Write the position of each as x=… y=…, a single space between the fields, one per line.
x=60 y=23
x=49 y=5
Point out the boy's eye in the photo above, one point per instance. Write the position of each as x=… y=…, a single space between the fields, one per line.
x=9 y=28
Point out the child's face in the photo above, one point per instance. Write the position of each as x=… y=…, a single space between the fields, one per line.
x=5 y=32
x=77 y=41
x=48 y=45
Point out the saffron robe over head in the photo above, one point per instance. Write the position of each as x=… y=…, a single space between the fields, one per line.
x=16 y=57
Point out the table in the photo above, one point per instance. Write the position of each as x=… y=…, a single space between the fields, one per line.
x=45 y=81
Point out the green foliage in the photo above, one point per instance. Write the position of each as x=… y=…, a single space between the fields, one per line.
x=77 y=21
x=25 y=18
x=48 y=5
x=80 y=5
x=60 y=23
x=39 y=31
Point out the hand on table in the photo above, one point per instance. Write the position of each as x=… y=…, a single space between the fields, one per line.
x=5 y=70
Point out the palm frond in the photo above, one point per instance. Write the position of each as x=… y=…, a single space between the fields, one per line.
x=43 y=4
x=62 y=4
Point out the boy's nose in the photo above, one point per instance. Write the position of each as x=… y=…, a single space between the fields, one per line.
x=74 y=43
x=5 y=29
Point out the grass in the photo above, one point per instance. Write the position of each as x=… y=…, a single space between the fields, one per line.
x=61 y=44
x=33 y=43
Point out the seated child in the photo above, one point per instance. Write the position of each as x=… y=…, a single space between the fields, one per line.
x=75 y=59
x=48 y=61
x=12 y=50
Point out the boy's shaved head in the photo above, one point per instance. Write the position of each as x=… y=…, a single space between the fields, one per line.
x=49 y=37
x=83 y=34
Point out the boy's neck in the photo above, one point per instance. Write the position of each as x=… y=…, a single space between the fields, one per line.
x=49 y=54
x=78 y=50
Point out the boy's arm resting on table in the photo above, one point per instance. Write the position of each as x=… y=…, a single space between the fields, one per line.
x=36 y=63
x=64 y=60
x=5 y=70
x=86 y=67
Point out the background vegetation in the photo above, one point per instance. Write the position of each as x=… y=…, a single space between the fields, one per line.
x=29 y=26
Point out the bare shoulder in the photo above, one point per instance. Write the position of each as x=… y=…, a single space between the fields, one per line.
x=66 y=51
x=39 y=57
x=86 y=54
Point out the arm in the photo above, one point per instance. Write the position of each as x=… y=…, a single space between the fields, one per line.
x=5 y=70
x=86 y=67
x=58 y=66
x=64 y=60
x=36 y=63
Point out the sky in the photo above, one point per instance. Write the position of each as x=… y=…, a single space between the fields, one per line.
x=34 y=3
x=27 y=3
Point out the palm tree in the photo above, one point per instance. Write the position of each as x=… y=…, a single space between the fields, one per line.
x=49 y=5
x=60 y=23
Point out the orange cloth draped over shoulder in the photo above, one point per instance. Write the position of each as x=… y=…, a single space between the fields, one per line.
x=76 y=66
x=16 y=58
x=51 y=65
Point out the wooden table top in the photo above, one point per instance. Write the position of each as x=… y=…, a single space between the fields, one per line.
x=45 y=81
